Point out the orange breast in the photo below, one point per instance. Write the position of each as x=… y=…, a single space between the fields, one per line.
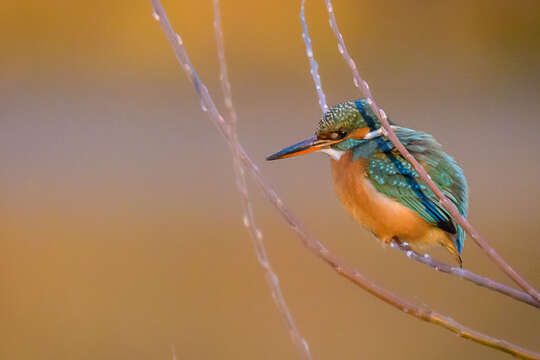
x=383 y=216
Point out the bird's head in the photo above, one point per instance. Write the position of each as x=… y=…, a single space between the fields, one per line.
x=341 y=128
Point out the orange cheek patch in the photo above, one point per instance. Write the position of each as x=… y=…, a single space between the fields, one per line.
x=359 y=134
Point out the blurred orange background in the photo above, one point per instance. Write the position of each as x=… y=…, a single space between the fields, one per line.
x=120 y=230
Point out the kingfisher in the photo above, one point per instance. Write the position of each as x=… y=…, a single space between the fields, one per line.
x=379 y=187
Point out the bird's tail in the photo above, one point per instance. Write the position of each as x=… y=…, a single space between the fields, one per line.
x=456 y=245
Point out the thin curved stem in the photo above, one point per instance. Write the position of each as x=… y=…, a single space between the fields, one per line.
x=249 y=217
x=313 y=64
x=309 y=241
x=363 y=86
x=466 y=275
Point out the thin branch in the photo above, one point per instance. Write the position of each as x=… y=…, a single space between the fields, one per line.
x=313 y=65
x=466 y=275
x=249 y=217
x=443 y=200
x=311 y=242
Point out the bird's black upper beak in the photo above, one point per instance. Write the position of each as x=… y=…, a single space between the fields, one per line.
x=303 y=147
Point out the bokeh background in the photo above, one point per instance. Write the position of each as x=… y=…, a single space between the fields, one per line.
x=120 y=226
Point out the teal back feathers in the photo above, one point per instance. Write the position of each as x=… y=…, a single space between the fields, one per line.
x=393 y=176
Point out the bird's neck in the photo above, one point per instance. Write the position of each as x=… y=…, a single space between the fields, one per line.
x=333 y=153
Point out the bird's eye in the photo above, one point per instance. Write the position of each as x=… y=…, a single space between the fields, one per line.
x=340 y=134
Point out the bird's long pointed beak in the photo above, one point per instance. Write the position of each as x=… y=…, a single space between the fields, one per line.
x=303 y=147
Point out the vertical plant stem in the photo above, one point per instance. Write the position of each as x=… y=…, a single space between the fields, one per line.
x=249 y=217
x=313 y=65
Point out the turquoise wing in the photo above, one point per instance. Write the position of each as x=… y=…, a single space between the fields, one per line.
x=394 y=177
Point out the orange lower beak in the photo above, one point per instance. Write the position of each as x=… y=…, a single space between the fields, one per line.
x=303 y=147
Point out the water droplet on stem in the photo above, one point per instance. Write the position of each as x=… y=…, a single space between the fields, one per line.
x=329 y=6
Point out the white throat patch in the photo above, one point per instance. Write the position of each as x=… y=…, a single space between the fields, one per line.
x=334 y=154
